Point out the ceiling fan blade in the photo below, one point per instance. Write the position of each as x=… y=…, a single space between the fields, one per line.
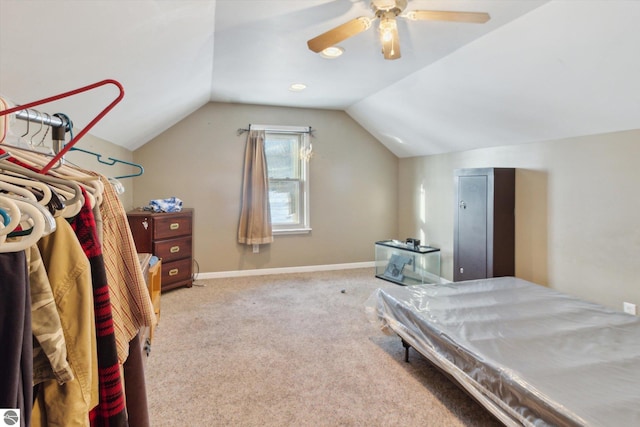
x=338 y=34
x=442 y=15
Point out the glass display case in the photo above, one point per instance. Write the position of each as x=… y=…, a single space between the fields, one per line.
x=406 y=264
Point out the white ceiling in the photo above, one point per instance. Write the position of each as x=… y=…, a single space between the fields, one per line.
x=538 y=70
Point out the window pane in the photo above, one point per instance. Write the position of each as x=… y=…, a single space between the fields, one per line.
x=282 y=156
x=284 y=197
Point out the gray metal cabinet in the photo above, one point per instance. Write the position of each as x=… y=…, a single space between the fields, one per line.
x=484 y=223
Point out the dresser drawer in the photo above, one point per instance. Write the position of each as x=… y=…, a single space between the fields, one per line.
x=172 y=249
x=171 y=226
x=176 y=271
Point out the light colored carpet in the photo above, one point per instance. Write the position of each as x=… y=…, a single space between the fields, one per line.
x=291 y=350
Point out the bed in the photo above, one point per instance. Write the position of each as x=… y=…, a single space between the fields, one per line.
x=529 y=354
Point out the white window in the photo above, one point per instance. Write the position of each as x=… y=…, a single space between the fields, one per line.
x=287 y=149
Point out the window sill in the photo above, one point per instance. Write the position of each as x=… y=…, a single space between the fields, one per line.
x=292 y=231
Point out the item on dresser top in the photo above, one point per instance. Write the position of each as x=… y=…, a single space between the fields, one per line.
x=171 y=204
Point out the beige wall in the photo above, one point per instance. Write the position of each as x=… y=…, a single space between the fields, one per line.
x=576 y=208
x=353 y=186
x=576 y=211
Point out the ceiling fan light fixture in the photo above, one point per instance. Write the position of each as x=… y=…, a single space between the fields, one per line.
x=387 y=5
x=332 y=52
x=387 y=28
x=389 y=36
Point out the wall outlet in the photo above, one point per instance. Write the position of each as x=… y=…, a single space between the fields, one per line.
x=629 y=308
x=256 y=249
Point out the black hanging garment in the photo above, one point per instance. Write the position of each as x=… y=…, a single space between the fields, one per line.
x=16 y=341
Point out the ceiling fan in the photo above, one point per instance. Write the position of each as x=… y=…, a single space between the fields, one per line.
x=387 y=11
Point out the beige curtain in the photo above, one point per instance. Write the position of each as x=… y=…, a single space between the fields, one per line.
x=255 y=218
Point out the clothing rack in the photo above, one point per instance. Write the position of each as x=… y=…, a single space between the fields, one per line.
x=243 y=130
x=70 y=144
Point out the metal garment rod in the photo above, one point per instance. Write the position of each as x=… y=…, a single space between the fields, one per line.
x=38 y=117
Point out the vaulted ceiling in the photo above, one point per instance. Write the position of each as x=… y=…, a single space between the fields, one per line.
x=537 y=70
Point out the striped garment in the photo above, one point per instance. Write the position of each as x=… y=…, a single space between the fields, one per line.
x=110 y=411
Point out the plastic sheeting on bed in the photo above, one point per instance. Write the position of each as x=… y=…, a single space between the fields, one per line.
x=529 y=354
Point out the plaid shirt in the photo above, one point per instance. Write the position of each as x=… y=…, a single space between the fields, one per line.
x=130 y=299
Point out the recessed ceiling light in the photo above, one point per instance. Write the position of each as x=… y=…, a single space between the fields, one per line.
x=332 y=52
x=297 y=87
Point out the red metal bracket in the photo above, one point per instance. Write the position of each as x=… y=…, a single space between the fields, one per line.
x=86 y=129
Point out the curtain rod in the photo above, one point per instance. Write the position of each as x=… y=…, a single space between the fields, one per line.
x=309 y=131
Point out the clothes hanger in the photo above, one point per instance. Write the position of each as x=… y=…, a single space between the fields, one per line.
x=31 y=216
x=72 y=172
x=71 y=209
x=38 y=114
x=64 y=185
x=111 y=161
x=44 y=189
x=16 y=189
x=60 y=197
x=6 y=219
x=34 y=158
x=37 y=159
x=27 y=131
x=12 y=210
x=56 y=204
x=49 y=220
x=46 y=132
x=94 y=188
x=117 y=185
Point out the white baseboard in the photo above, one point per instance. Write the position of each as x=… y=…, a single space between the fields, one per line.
x=266 y=271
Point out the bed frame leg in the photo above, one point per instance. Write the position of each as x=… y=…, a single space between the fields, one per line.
x=406 y=346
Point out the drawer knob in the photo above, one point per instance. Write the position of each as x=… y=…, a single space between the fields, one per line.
x=174 y=249
x=174 y=226
x=173 y=272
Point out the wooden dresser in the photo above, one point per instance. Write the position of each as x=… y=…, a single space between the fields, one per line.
x=169 y=236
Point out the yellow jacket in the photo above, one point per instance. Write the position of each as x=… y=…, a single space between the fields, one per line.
x=69 y=273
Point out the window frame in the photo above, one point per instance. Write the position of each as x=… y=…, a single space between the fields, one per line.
x=303 y=226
